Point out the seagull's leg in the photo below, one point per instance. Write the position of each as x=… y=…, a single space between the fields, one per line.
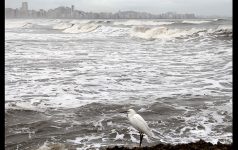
x=141 y=138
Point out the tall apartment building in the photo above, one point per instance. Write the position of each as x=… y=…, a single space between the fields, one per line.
x=24 y=9
x=72 y=11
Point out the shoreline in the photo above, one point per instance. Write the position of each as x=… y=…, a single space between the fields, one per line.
x=199 y=145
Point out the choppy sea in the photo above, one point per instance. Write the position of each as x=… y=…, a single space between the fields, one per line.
x=67 y=80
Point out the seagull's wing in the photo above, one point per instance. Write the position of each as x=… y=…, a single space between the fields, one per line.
x=139 y=123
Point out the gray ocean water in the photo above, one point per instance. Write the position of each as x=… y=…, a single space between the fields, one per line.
x=67 y=80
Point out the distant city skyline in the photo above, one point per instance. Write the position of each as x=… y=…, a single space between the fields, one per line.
x=199 y=7
x=71 y=12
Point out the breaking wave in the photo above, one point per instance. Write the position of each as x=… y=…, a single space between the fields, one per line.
x=82 y=28
x=224 y=30
x=144 y=29
x=155 y=33
x=166 y=33
x=61 y=26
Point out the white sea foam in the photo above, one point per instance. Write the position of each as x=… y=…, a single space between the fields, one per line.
x=87 y=142
x=142 y=22
x=119 y=136
x=81 y=140
x=24 y=106
x=224 y=27
x=196 y=21
x=80 y=21
x=16 y=23
x=49 y=146
x=203 y=119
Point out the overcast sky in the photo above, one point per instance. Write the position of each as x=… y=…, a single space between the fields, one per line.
x=199 y=7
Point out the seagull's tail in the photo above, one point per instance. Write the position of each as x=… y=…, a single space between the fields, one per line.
x=157 y=137
x=149 y=133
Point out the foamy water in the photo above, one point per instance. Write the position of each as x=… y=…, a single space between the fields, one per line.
x=67 y=81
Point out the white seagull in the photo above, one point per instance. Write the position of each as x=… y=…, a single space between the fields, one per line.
x=138 y=123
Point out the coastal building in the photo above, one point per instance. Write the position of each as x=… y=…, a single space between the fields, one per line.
x=24 y=9
x=72 y=11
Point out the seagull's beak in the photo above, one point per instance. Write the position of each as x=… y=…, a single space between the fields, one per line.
x=123 y=111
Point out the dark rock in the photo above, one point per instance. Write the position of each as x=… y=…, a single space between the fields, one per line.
x=199 y=145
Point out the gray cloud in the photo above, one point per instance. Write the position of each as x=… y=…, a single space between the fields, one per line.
x=199 y=7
